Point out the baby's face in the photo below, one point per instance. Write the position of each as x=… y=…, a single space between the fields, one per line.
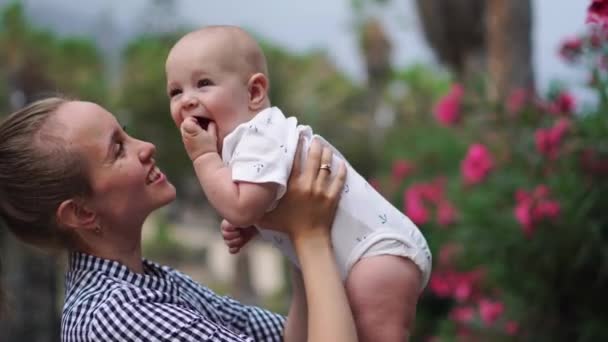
x=202 y=84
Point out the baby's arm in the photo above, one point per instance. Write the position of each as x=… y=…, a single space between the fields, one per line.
x=241 y=204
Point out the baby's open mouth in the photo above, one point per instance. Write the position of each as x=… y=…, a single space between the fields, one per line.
x=203 y=122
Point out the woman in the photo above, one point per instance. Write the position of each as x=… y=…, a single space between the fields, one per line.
x=71 y=178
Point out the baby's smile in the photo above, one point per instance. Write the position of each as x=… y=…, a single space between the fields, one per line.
x=203 y=122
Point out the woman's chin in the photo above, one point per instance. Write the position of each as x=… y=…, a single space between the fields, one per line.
x=169 y=195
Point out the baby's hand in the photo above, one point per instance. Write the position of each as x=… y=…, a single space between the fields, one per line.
x=236 y=237
x=198 y=141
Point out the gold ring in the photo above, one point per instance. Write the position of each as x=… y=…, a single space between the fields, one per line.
x=325 y=167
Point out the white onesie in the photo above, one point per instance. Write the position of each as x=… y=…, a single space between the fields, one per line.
x=366 y=224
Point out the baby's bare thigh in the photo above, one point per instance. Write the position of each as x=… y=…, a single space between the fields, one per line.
x=383 y=291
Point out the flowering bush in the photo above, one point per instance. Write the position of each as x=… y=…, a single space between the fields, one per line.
x=511 y=198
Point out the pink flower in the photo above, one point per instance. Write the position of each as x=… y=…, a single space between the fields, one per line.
x=464 y=284
x=547 y=209
x=447 y=109
x=490 y=310
x=439 y=285
x=414 y=206
x=523 y=214
x=446 y=213
x=517 y=99
x=548 y=141
x=532 y=208
x=462 y=314
x=511 y=328
x=463 y=289
x=598 y=13
x=433 y=191
x=421 y=199
x=401 y=169
x=571 y=49
x=477 y=164
x=565 y=102
x=459 y=285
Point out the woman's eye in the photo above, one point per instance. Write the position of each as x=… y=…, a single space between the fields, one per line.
x=203 y=83
x=174 y=92
x=120 y=148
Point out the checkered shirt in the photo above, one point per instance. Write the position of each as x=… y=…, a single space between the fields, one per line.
x=105 y=301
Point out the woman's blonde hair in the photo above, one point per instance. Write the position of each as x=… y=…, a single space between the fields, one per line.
x=38 y=171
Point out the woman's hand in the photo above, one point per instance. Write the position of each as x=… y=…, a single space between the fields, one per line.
x=306 y=214
x=312 y=196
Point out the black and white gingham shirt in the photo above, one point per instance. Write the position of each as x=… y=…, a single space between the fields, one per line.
x=105 y=301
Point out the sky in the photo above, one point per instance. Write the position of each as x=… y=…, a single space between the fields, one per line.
x=304 y=25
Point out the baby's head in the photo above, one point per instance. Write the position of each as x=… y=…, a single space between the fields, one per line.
x=217 y=73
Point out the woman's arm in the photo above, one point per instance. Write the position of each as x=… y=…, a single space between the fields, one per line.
x=297 y=318
x=306 y=214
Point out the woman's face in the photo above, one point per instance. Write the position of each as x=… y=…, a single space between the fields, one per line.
x=127 y=185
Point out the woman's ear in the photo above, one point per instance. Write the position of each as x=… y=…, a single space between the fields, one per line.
x=258 y=91
x=74 y=215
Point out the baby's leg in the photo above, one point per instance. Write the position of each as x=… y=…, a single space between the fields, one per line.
x=383 y=291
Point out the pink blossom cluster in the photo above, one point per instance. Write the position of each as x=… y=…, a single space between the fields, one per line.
x=476 y=165
x=447 y=109
x=549 y=140
x=465 y=289
x=401 y=169
x=489 y=311
x=563 y=104
x=598 y=13
x=421 y=198
x=534 y=207
x=571 y=49
x=461 y=286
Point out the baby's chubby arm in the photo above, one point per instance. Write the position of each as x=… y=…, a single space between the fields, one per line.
x=241 y=204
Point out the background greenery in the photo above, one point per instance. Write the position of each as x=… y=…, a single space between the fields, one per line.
x=507 y=184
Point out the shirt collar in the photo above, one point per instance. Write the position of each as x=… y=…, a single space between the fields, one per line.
x=153 y=275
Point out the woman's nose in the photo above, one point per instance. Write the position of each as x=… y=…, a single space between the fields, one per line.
x=146 y=151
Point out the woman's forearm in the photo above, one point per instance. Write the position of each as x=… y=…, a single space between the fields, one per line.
x=329 y=314
x=297 y=319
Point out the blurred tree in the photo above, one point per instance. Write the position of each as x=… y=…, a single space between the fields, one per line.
x=310 y=87
x=35 y=63
x=509 y=46
x=476 y=36
x=376 y=49
x=455 y=31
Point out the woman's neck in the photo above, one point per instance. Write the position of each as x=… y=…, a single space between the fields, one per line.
x=124 y=249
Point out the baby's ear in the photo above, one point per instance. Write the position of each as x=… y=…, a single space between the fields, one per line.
x=258 y=91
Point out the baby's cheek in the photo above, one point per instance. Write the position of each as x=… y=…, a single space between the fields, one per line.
x=177 y=119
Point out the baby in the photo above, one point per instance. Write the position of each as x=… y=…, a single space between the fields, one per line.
x=243 y=149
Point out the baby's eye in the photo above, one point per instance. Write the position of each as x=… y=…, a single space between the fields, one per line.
x=204 y=82
x=174 y=92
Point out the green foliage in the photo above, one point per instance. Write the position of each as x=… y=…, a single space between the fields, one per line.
x=309 y=87
x=144 y=105
x=545 y=277
x=38 y=63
